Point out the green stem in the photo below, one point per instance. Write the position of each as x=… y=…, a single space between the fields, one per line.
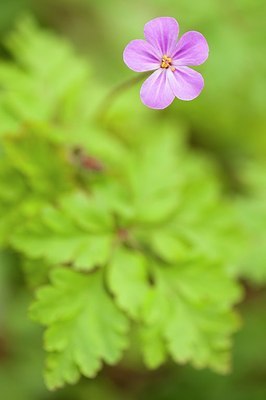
x=114 y=93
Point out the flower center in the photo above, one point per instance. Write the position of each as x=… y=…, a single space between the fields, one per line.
x=167 y=62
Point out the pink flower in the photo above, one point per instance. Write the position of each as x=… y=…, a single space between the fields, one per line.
x=162 y=52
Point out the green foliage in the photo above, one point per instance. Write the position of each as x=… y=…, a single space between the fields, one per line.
x=244 y=383
x=118 y=224
x=38 y=173
x=130 y=287
x=35 y=90
x=68 y=235
x=85 y=326
x=187 y=308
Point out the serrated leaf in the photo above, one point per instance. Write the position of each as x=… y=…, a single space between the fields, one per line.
x=85 y=328
x=187 y=309
x=203 y=223
x=69 y=235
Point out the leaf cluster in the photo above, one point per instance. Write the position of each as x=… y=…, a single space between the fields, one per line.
x=117 y=233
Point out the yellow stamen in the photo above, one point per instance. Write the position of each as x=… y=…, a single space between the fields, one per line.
x=166 y=62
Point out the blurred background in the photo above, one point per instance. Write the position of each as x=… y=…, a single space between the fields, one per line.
x=228 y=123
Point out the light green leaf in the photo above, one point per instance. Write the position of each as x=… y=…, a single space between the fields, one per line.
x=84 y=327
x=128 y=279
x=69 y=235
x=153 y=346
x=153 y=176
x=43 y=164
x=41 y=87
x=169 y=246
x=189 y=311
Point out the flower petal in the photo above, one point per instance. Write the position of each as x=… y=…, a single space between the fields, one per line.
x=156 y=91
x=162 y=34
x=185 y=83
x=140 y=56
x=191 y=49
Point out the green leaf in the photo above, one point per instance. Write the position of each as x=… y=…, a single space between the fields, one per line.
x=169 y=245
x=79 y=233
x=153 y=177
x=41 y=87
x=128 y=280
x=43 y=164
x=203 y=224
x=13 y=200
x=85 y=328
x=188 y=311
x=153 y=346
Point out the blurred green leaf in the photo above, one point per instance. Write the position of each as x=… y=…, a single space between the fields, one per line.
x=187 y=309
x=69 y=235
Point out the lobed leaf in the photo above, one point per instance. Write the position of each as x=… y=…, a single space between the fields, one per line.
x=69 y=235
x=84 y=327
x=188 y=311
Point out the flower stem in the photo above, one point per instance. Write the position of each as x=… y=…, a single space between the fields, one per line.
x=114 y=93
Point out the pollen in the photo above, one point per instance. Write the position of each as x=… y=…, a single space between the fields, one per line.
x=167 y=63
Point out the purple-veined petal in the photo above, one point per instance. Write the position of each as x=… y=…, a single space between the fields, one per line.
x=191 y=49
x=185 y=83
x=162 y=34
x=156 y=91
x=140 y=56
